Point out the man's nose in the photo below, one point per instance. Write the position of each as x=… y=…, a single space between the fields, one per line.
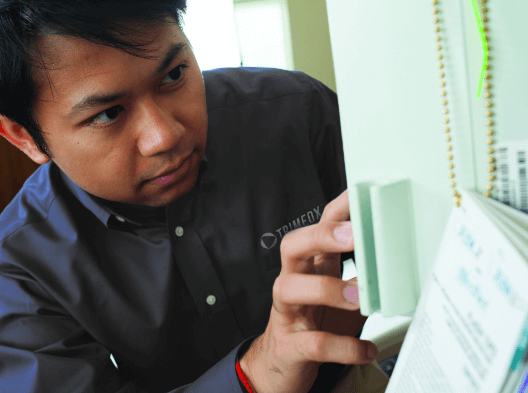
x=158 y=130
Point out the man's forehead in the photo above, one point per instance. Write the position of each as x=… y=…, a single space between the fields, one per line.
x=56 y=48
x=58 y=52
x=61 y=54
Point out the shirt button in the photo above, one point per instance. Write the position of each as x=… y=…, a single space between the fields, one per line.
x=120 y=219
x=211 y=300
x=179 y=231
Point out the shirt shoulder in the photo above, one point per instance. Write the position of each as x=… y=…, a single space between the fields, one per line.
x=32 y=204
x=228 y=87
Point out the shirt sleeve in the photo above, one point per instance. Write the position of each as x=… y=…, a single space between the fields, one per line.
x=44 y=349
x=223 y=376
x=326 y=140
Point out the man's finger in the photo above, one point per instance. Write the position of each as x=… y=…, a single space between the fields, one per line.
x=338 y=209
x=305 y=289
x=326 y=347
x=303 y=244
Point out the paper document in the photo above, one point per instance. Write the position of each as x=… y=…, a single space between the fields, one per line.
x=469 y=333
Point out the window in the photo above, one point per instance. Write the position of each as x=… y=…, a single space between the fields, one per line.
x=264 y=33
x=234 y=33
x=210 y=27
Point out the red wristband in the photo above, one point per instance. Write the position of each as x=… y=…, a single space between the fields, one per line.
x=243 y=378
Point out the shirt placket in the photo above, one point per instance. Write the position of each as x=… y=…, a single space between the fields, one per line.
x=201 y=277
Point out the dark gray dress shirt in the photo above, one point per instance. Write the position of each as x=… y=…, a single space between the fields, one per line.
x=170 y=292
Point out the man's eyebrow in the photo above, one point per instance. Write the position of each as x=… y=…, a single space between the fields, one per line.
x=174 y=50
x=94 y=100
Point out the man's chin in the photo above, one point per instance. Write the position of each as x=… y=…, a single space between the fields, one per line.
x=174 y=193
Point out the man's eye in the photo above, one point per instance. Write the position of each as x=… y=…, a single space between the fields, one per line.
x=106 y=117
x=174 y=75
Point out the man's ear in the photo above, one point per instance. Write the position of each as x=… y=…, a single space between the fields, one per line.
x=20 y=138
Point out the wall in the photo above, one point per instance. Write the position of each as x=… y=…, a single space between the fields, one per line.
x=310 y=36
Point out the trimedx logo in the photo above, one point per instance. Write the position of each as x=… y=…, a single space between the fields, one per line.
x=268 y=240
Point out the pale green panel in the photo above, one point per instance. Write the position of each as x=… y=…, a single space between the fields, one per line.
x=365 y=252
x=394 y=235
x=508 y=32
x=385 y=250
x=390 y=106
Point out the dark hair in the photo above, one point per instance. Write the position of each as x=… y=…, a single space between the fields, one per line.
x=114 y=23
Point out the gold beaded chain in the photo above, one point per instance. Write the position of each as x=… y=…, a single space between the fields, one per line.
x=487 y=104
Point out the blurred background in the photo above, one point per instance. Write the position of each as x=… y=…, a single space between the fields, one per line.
x=287 y=34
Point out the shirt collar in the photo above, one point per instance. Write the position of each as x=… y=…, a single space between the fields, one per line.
x=139 y=215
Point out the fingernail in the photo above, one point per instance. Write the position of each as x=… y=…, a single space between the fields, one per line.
x=352 y=294
x=372 y=351
x=343 y=233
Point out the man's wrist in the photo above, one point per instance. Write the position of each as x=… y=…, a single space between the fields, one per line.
x=248 y=365
x=242 y=379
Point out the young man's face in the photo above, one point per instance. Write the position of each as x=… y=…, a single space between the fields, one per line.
x=116 y=123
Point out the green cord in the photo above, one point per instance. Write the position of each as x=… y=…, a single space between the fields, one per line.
x=484 y=47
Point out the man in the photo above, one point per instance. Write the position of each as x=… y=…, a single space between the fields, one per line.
x=142 y=233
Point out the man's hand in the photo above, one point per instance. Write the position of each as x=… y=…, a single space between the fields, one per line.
x=311 y=321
